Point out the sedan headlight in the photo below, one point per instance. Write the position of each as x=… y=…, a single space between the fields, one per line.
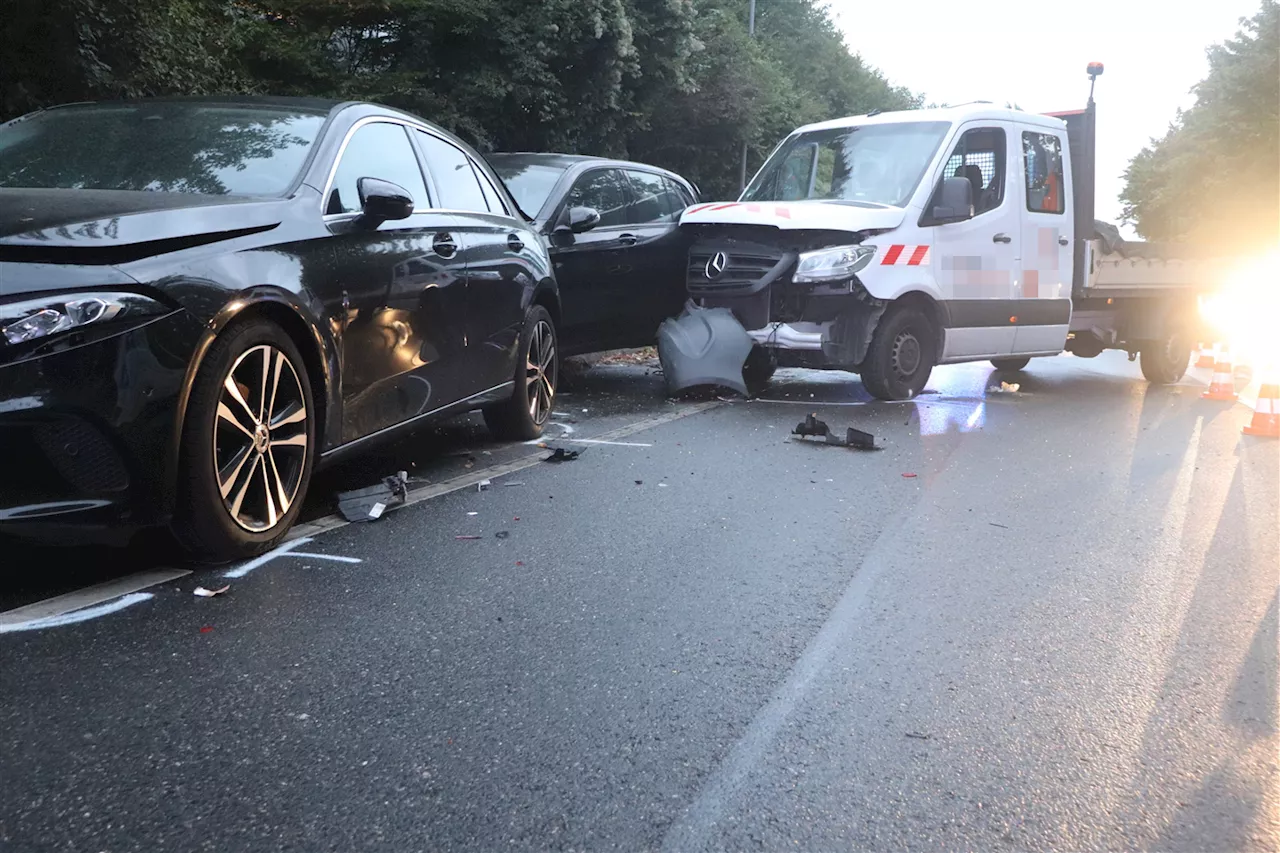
x=832 y=264
x=21 y=322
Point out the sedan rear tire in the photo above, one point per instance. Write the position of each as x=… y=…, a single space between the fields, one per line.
x=524 y=415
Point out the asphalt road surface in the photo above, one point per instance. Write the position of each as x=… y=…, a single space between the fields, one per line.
x=1038 y=620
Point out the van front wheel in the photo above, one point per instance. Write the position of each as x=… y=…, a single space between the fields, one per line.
x=901 y=355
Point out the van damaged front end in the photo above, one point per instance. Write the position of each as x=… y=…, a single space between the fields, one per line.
x=796 y=292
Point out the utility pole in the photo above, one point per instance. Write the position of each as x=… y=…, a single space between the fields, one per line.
x=751 y=31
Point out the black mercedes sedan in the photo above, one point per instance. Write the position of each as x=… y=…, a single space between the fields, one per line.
x=201 y=300
x=611 y=227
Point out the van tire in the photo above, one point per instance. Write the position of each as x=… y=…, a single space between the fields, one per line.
x=901 y=355
x=1010 y=365
x=758 y=369
x=1165 y=362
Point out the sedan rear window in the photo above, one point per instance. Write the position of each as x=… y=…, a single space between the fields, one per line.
x=214 y=149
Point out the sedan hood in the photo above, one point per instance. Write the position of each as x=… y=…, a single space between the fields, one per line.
x=798 y=215
x=58 y=226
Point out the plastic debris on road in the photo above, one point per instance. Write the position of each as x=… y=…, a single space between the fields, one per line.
x=1004 y=388
x=370 y=503
x=468 y=538
x=483 y=485
x=560 y=454
x=854 y=438
x=210 y=593
x=909 y=475
x=703 y=348
x=502 y=534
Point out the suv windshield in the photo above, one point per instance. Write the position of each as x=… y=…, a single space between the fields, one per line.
x=214 y=149
x=529 y=181
x=876 y=164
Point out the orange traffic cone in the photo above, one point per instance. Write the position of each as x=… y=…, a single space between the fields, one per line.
x=1266 y=415
x=1206 y=357
x=1223 y=384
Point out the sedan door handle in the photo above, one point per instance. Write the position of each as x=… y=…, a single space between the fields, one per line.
x=627 y=239
x=514 y=243
x=1002 y=238
x=444 y=246
x=1062 y=241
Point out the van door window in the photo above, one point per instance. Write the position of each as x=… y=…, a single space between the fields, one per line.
x=980 y=157
x=1042 y=159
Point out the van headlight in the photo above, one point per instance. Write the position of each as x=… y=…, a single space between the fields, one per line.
x=30 y=320
x=832 y=264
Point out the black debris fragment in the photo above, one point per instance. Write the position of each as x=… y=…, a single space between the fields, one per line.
x=560 y=454
x=503 y=534
x=918 y=735
x=854 y=438
x=368 y=504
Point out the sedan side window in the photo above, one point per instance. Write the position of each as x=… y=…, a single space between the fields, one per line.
x=604 y=191
x=377 y=150
x=451 y=170
x=651 y=200
x=490 y=194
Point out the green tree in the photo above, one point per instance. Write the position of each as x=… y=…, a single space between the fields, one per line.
x=1215 y=176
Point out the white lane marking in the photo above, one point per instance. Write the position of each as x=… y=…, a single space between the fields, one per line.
x=602 y=441
x=304 y=532
x=98 y=593
x=693 y=829
x=567 y=430
x=241 y=571
x=77 y=615
x=333 y=557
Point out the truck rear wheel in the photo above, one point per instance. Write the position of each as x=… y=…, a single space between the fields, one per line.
x=1165 y=362
x=901 y=355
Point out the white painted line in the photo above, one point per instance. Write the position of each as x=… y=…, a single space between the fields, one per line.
x=75 y=616
x=568 y=430
x=602 y=441
x=333 y=557
x=89 y=596
x=304 y=532
x=241 y=571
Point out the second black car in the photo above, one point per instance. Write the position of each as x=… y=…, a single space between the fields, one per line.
x=612 y=229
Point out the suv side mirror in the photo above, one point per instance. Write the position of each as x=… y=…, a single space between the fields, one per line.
x=382 y=201
x=953 y=202
x=579 y=219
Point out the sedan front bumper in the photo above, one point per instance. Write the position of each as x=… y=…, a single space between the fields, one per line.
x=86 y=434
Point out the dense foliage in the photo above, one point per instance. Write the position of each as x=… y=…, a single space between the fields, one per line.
x=1215 y=176
x=678 y=83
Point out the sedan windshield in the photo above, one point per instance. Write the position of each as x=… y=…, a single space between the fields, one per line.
x=531 y=183
x=215 y=149
x=874 y=164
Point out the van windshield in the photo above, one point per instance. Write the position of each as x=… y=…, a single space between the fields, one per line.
x=875 y=164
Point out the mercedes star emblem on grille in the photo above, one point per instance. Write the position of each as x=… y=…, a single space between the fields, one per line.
x=716 y=265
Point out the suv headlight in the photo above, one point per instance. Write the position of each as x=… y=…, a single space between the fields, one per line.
x=832 y=264
x=21 y=322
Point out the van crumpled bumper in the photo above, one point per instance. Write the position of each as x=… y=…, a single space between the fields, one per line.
x=703 y=347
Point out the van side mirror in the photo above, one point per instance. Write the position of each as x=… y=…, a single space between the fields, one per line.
x=953 y=202
x=382 y=201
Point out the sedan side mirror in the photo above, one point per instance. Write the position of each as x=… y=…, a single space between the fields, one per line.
x=953 y=201
x=382 y=201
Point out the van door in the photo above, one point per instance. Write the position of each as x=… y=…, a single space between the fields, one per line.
x=1044 y=189
x=977 y=259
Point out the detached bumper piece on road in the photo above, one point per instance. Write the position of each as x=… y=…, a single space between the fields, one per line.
x=855 y=438
x=703 y=347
